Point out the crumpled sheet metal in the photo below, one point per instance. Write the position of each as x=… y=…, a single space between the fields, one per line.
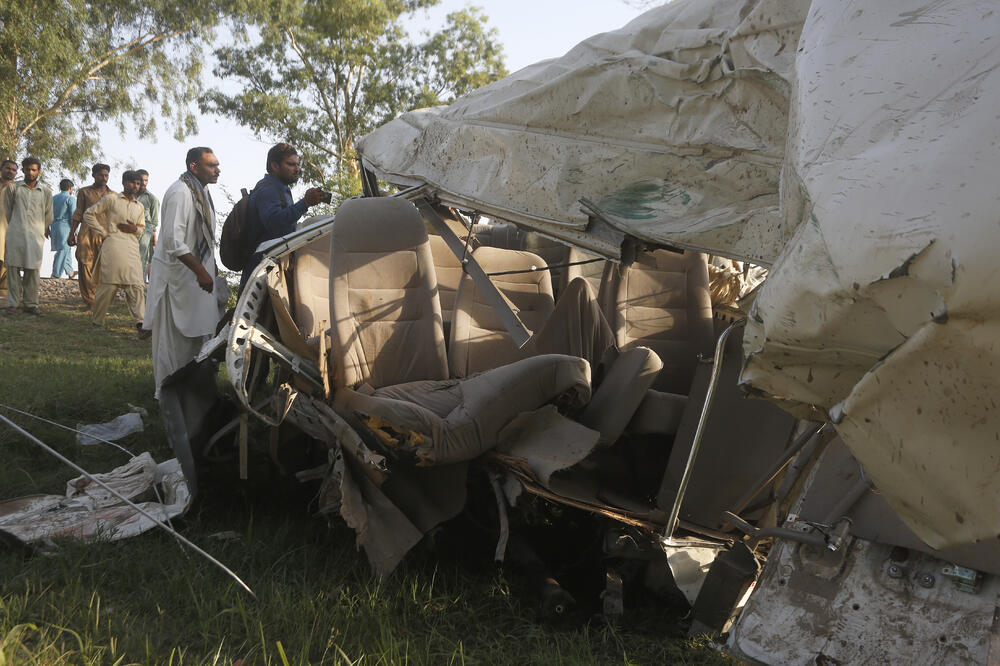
x=673 y=126
x=882 y=309
x=89 y=512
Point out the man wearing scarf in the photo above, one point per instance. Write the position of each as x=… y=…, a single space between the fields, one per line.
x=181 y=308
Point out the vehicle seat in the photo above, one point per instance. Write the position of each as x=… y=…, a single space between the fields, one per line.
x=388 y=345
x=479 y=341
x=387 y=326
x=448 y=268
x=310 y=294
x=662 y=301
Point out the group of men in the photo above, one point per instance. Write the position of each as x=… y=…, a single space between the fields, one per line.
x=115 y=238
x=29 y=214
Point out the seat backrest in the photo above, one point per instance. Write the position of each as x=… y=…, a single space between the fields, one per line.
x=383 y=296
x=499 y=234
x=479 y=340
x=310 y=293
x=449 y=273
x=662 y=301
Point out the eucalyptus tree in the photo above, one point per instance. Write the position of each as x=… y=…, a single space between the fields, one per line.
x=68 y=65
x=322 y=73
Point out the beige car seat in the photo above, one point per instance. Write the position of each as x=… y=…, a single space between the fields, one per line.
x=479 y=340
x=310 y=292
x=662 y=301
x=448 y=268
x=388 y=344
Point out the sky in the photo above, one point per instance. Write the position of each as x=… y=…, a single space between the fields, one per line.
x=530 y=30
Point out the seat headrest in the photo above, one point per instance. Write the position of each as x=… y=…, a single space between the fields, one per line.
x=378 y=224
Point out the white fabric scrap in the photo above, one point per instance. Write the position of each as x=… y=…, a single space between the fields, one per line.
x=90 y=513
x=112 y=431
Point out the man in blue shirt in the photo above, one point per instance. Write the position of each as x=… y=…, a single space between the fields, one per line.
x=273 y=212
x=63 y=207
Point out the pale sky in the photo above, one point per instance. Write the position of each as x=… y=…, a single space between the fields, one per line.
x=530 y=30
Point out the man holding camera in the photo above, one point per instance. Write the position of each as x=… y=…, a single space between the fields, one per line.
x=273 y=212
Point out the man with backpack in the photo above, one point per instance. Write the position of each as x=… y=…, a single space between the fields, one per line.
x=272 y=211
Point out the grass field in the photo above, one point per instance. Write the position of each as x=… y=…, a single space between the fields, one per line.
x=147 y=601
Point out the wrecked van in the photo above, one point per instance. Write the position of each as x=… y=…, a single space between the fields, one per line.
x=732 y=302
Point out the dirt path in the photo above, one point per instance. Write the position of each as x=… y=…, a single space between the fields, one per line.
x=59 y=290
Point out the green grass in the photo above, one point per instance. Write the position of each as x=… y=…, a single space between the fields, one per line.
x=147 y=601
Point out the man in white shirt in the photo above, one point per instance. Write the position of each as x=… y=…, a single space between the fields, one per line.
x=181 y=308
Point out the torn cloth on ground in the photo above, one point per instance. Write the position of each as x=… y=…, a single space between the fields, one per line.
x=112 y=431
x=89 y=512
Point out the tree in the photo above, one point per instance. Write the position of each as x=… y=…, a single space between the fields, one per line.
x=67 y=65
x=322 y=73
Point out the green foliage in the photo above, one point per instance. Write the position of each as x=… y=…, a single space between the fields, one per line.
x=67 y=65
x=322 y=73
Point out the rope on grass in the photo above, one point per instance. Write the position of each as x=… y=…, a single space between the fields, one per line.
x=159 y=523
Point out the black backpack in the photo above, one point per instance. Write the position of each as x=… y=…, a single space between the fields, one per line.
x=234 y=246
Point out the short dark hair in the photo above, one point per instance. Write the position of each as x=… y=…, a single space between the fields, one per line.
x=99 y=167
x=130 y=176
x=194 y=155
x=278 y=153
x=4 y=163
x=28 y=161
x=65 y=184
x=142 y=172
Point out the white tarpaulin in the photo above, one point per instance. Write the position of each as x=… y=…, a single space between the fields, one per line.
x=880 y=218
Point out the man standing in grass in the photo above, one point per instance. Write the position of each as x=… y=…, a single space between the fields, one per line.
x=8 y=172
x=181 y=308
x=118 y=220
x=88 y=246
x=63 y=207
x=28 y=208
x=152 y=207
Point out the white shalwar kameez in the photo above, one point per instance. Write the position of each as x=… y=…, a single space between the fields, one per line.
x=179 y=312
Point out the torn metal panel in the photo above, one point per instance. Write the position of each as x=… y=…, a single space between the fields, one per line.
x=321 y=422
x=830 y=479
x=881 y=309
x=678 y=118
x=812 y=608
x=89 y=512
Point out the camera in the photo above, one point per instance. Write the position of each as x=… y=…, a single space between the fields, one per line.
x=327 y=197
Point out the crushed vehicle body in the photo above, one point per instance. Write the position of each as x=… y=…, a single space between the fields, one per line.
x=817 y=448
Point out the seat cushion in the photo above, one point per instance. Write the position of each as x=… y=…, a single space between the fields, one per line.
x=411 y=417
